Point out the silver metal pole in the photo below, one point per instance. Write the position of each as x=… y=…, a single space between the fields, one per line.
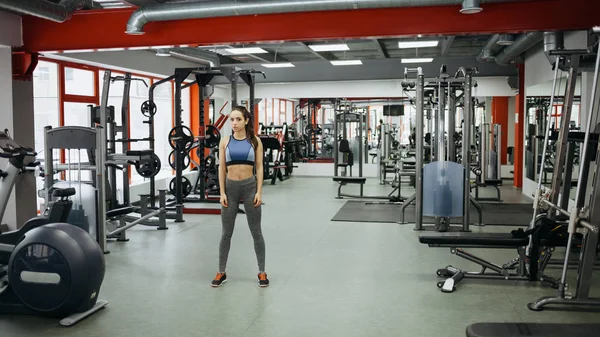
x=48 y=165
x=483 y=153
x=100 y=167
x=498 y=133
x=420 y=86
x=546 y=136
x=451 y=125
x=441 y=124
x=468 y=113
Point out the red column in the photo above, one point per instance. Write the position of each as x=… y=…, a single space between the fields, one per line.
x=519 y=129
x=500 y=116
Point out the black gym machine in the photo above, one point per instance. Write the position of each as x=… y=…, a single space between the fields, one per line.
x=47 y=267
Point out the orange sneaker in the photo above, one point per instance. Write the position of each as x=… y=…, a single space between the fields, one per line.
x=219 y=280
x=263 y=281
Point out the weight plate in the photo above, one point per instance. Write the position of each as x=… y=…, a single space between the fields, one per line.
x=181 y=138
x=186 y=186
x=185 y=161
x=212 y=137
x=148 y=108
x=148 y=167
x=210 y=163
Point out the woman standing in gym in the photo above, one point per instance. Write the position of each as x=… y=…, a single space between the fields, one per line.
x=239 y=155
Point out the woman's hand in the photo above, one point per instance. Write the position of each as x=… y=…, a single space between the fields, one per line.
x=224 y=200
x=257 y=200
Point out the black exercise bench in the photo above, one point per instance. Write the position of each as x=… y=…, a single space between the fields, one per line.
x=457 y=241
x=495 y=183
x=349 y=180
x=533 y=330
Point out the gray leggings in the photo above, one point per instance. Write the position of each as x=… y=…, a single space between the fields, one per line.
x=237 y=190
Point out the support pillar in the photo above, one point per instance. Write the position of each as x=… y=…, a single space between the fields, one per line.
x=500 y=116
x=519 y=129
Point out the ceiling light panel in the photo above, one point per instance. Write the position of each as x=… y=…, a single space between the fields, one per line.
x=346 y=62
x=417 y=44
x=329 y=47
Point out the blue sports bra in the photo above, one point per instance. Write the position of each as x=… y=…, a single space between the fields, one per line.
x=239 y=152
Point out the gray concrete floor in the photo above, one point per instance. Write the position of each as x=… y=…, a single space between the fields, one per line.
x=327 y=279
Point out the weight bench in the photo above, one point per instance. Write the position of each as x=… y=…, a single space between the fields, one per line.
x=489 y=183
x=349 y=180
x=454 y=240
x=533 y=330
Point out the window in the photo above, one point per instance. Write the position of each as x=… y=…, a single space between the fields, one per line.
x=163 y=124
x=77 y=114
x=79 y=82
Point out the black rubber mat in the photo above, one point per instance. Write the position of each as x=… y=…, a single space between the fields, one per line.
x=493 y=213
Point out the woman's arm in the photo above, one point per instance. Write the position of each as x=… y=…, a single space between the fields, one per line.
x=222 y=165
x=258 y=154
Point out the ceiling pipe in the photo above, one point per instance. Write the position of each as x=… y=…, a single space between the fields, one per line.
x=553 y=41
x=60 y=12
x=489 y=51
x=220 y=8
x=509 y=54
x=197 y=56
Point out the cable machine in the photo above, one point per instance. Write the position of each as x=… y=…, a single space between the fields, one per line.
x=442 y=187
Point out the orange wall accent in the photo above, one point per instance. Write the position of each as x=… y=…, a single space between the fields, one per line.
x=500 y=116
x=194 y=116
x=105 y=28
x=519 y=129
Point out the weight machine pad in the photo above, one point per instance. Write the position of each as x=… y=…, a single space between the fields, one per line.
x=63 y=192
x=493 y=182
x=457 y=239
x=532 y=330
x=119 y=211
x=139 y=152
x=350 y=180
x=270 y=143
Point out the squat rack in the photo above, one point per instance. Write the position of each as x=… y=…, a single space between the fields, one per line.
x=203 y=76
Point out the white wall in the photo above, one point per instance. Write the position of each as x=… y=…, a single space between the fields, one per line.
x=10 y=30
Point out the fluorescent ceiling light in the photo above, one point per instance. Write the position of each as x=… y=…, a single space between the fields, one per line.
x=161 y=47
x=417 y=44
x=278 y=65
x=329 y=47
x=418 y=60
x=346 y=62
x=249 y=50
x=138 y=48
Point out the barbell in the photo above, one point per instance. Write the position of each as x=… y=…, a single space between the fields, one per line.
x=181 y=137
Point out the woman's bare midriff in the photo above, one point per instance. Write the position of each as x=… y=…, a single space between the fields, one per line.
x=240 y=172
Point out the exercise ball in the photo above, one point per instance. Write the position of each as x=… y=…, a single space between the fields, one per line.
x=57 y=270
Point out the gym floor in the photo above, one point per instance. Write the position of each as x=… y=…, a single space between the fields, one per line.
x=327 y=279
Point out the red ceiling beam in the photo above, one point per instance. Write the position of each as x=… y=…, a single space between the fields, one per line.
x=106 y=28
